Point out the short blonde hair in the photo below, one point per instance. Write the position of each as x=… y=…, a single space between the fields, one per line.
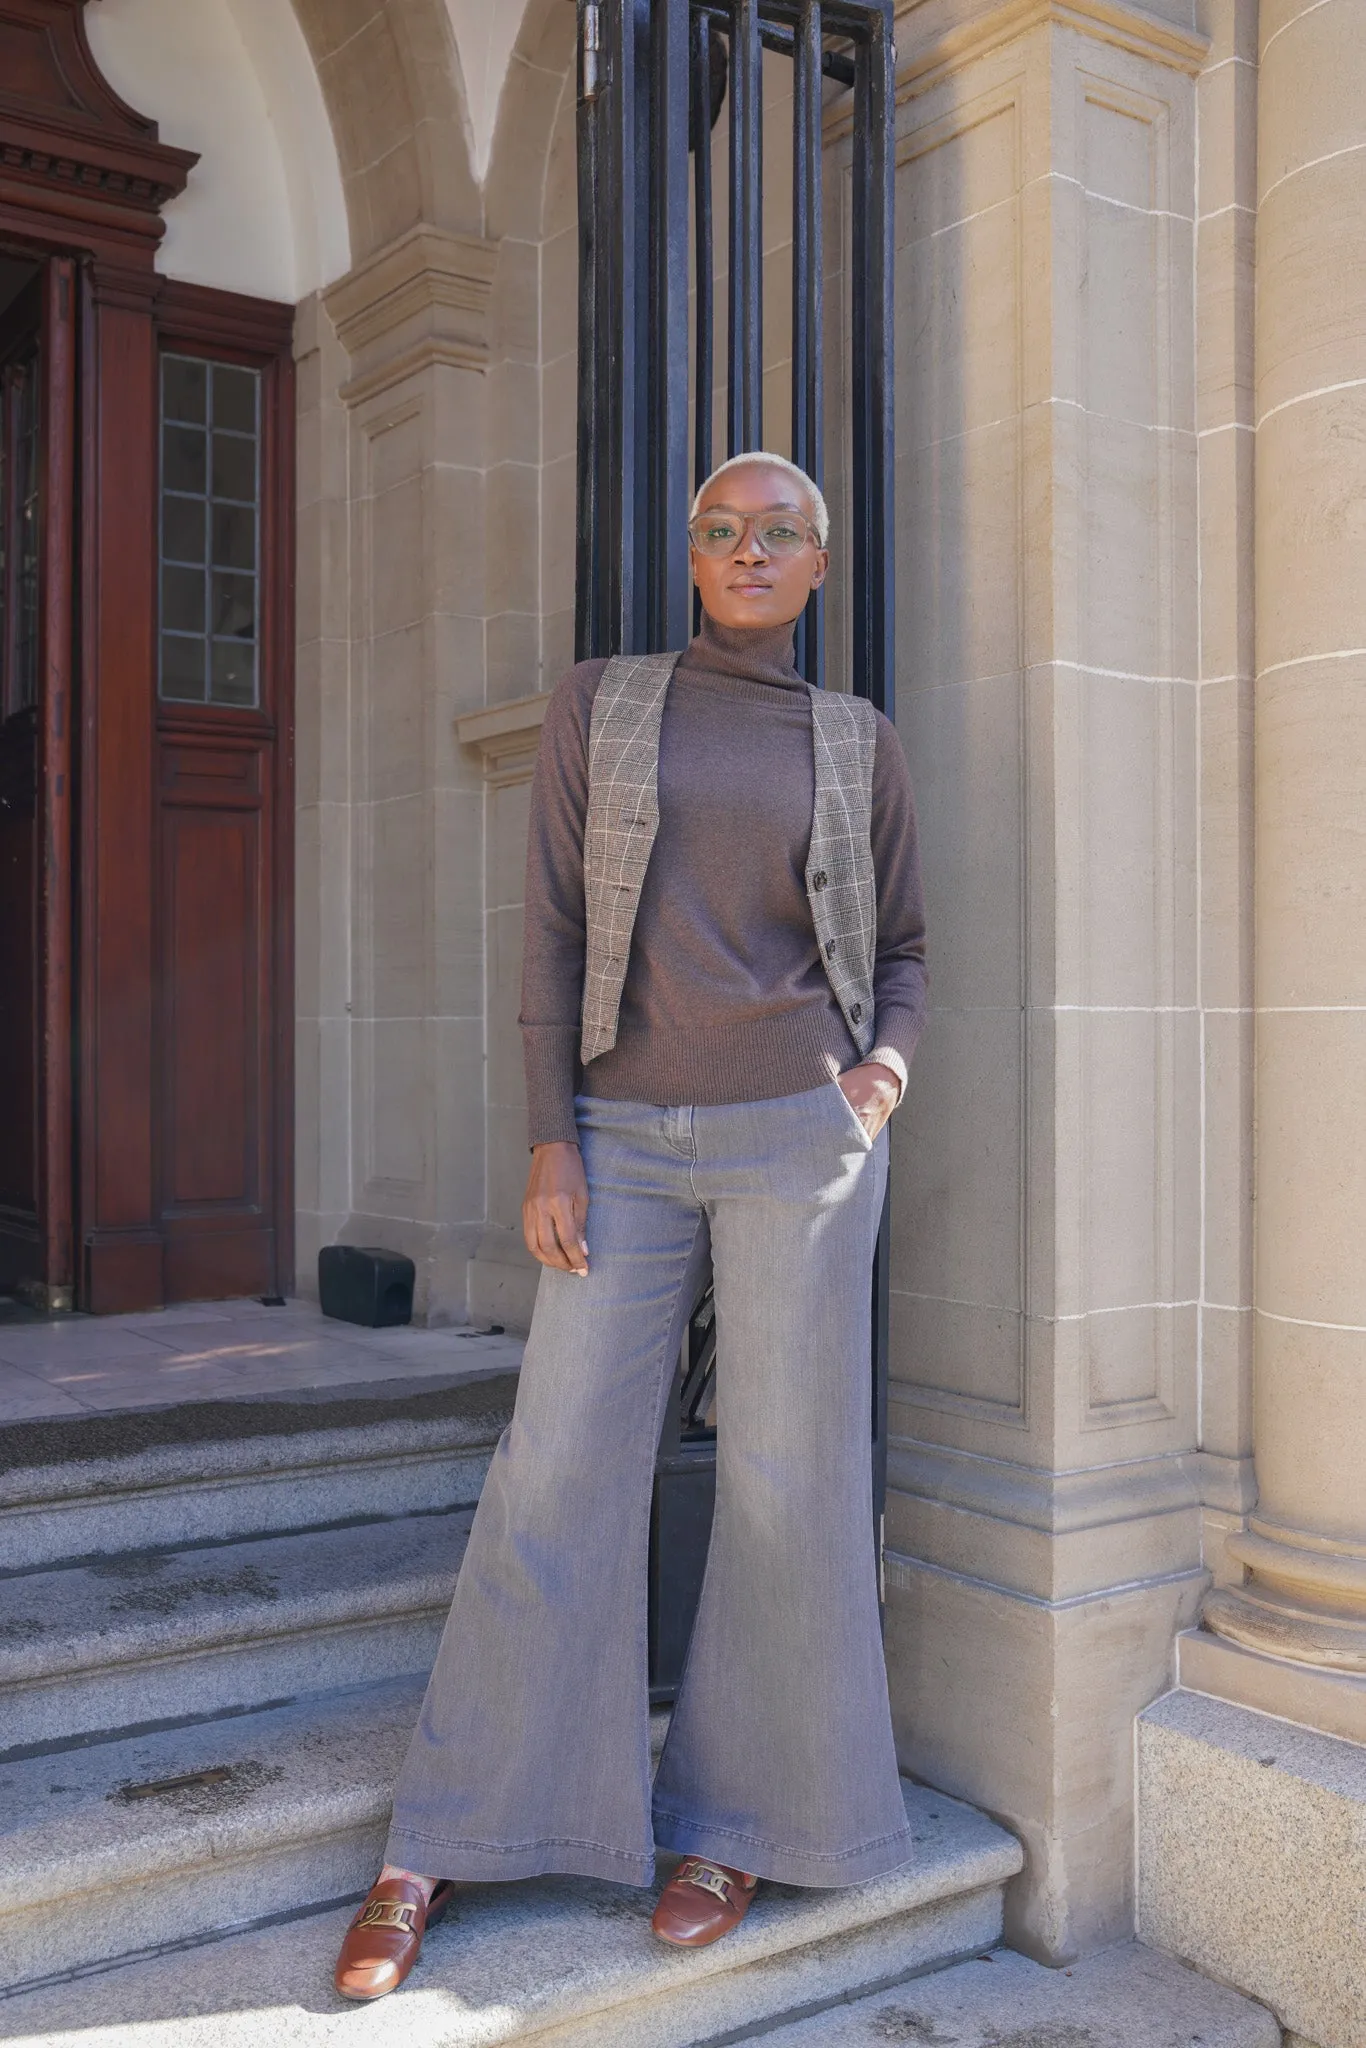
x=760 y=457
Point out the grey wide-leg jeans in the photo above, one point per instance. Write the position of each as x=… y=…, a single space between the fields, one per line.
x=532 y=1750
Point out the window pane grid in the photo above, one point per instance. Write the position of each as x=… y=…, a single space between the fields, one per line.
x=210 y=532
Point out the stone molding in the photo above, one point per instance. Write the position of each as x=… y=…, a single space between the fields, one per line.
x=1053 y=1537
x=507 y=735
x=901 y=1572
x=1333 y=1702
x=1305 y=1598
x=1057 y=1503
x=422 y=300
x=1228 y=1484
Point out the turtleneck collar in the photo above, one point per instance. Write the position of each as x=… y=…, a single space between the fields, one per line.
x=756 y=654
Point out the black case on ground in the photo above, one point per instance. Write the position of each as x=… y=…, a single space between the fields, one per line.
x=362 y=1284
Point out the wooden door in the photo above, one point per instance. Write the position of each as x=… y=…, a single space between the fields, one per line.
x=223 y=872
x=37 y=393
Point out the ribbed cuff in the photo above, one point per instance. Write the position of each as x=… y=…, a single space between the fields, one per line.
x=896 y=1034
x=550 y=1059
x=888 y=1056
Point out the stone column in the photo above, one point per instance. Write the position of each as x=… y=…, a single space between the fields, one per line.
x=1043 y=1518
x=1304 y=1552
x=413 y=319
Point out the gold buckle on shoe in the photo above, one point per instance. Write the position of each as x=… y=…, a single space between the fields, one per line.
x=708 y=1878
x=390 y=1913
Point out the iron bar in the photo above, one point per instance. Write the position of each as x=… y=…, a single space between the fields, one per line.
x=667 y=393
x=871 y=509
x=808 y=296
x=774 y=36
x=591 y=567
x=633 y=622
x=745 y=373
x=611 y=607
x=704 y=250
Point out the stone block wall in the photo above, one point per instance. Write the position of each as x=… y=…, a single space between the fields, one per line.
x=1044 y=1518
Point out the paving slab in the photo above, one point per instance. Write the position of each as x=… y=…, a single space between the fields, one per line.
x=563 y=1961
x=213 y=1351
x=1126 y=1997
x=25 y=1396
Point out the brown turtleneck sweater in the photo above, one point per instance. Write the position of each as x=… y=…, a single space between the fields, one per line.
x=725 y=999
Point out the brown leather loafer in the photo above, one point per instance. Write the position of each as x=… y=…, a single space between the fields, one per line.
x=383 y=1941
x=701 y=1902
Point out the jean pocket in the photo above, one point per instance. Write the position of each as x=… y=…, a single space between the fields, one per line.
x=852 y=1116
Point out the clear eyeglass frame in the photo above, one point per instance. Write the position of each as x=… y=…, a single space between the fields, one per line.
x=777 y=533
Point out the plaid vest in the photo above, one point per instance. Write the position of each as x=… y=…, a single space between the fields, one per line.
x=623 y=818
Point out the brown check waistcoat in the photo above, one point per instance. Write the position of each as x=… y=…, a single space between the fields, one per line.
x=623 y=818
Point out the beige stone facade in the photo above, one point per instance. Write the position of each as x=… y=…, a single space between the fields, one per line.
x=1131 y=490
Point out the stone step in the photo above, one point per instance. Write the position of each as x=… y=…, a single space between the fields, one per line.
x=297 y=1816
x=85 y=1486
x=157 y=1635
x=88 y=1876
x=1126 y=1997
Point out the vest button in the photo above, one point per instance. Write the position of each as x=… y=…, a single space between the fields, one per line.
x=830 y=949
x=855 y=1013
x=818 y=880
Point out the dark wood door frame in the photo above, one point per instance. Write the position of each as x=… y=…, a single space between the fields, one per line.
x=83 y=179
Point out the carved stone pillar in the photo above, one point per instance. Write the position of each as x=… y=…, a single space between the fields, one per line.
x=1304 y=1552
x=1043 y=1515
x=413 y=318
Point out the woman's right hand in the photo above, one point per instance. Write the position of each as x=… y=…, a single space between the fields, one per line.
x=555 y=1208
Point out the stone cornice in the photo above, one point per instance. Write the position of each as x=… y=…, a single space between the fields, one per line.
x=933 y=42
x=424 y=299
x=1055 y=1503
x=74 y=157
x=507 y=735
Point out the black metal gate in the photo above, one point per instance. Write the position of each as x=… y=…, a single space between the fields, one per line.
x=654 y=77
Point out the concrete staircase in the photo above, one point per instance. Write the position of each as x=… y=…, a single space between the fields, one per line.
x=215 y=1627
x=248 y=1589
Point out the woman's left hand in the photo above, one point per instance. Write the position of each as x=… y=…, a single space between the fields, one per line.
x=872 y=1092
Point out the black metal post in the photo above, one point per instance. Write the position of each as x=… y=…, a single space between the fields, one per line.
x=611 y=596
x=667 y=393
x=873 y=484
x=704 y=258
x=808 y=296
x=593 y=568
x=745 y=391
x=871 y=366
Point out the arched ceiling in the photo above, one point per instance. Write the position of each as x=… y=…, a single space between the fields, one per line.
x=486 y=33
x=325 y=128
x=265 y=210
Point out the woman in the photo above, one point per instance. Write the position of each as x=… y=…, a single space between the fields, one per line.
x=723 y=984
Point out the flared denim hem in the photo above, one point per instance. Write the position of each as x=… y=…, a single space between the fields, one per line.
x=812 y=1869
x=485 y=1862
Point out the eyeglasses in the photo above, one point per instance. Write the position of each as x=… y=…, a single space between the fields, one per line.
x=776 y=533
